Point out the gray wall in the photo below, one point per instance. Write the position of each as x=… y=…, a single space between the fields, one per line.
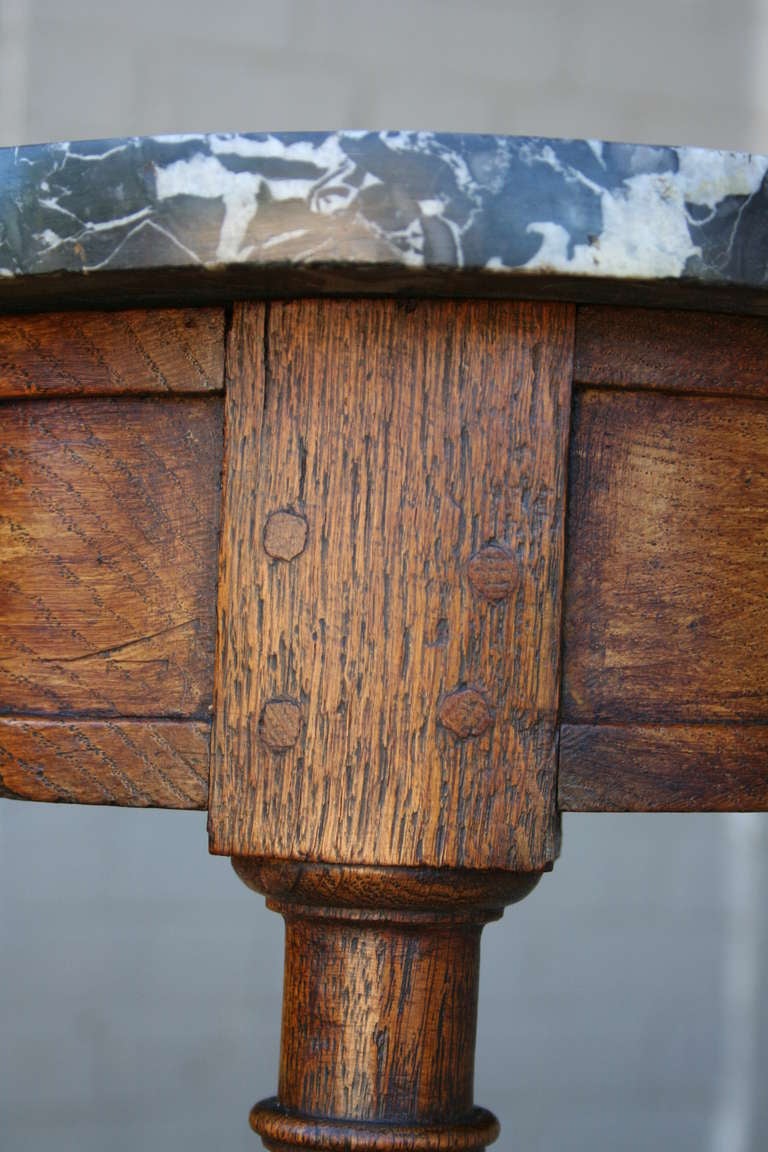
x=624 y=1006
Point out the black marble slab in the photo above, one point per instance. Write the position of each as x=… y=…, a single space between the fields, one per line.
x=203 y=217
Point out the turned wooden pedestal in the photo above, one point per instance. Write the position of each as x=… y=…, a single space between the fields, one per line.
x=384 y=736
x=380 y=1004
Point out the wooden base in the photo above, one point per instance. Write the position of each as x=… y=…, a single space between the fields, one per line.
x=283 y=1131
x=379 y=1005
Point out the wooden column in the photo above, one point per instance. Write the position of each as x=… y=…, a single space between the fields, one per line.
x=387 y=684
x=379 y=1004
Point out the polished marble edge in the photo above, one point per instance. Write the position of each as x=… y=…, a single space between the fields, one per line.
x=419 y=201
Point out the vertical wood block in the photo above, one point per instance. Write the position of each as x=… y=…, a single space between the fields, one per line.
x=390 y=583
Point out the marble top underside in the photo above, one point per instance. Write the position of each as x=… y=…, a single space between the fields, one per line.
x=415 y=201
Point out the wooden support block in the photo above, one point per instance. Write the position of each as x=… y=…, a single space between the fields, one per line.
x=389 y=601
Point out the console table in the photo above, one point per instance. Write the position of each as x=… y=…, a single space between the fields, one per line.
x=386 y=495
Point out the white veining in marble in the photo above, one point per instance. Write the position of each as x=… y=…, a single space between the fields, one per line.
x=416 y=199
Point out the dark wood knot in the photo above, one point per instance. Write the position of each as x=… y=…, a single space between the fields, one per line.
x=280 y=724
x=493 y=572
x=465 y=712
x=285 y=535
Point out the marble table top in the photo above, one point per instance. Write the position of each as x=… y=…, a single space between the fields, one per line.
x=381 y=211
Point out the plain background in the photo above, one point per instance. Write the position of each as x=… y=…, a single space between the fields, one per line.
x=624 y=1005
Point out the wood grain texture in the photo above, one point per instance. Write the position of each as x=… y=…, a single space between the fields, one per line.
x=383 y=890
x=422 y=1019
x=671 y=351
x=284 y=1131
x=666 y=605
x=131 y=763
x=379 y=1005
x=109 y=516
x=109 y=353
x=411 y=438
x=676 y=768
